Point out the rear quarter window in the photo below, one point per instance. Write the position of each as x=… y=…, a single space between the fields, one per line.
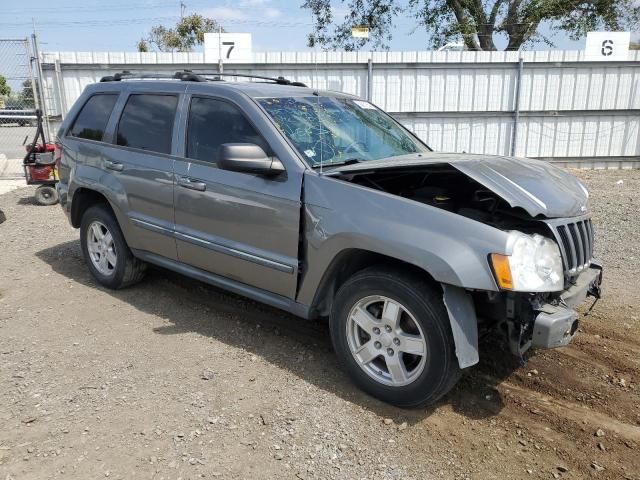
x=92 y=120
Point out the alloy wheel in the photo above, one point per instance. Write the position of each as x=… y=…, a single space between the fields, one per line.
x=386 y=340
x=101 y=248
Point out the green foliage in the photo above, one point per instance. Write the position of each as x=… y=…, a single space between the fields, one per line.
x=5 y=89
x=377 y=15
x=142 y=45
x=477 y=23
x=25 y=97
x=187 y=33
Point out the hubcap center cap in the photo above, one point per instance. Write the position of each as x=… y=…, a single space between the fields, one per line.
x=386 y=339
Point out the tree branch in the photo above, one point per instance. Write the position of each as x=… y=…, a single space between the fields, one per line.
x=461 y=17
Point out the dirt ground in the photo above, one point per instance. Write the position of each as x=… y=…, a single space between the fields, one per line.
x=175 y=379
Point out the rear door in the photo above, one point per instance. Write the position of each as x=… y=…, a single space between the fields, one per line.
x=140 y=159
x=239 y=225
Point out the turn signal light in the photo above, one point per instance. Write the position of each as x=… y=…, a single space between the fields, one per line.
x=502 y=271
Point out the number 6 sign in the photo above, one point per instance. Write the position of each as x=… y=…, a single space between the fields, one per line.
x=607 y=46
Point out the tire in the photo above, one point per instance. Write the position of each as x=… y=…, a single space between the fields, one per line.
x=46 y=195
x=118 y=268
x=417 y=378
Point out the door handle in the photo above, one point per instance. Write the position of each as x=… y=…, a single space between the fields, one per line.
x=118 y=167
x=187 y=182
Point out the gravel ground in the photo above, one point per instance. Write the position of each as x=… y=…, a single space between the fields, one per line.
x=175 y=379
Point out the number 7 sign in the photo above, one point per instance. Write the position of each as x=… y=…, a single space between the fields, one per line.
x=228 y=47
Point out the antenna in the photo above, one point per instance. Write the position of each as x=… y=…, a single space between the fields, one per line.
x=220 y=67
x=315 y=86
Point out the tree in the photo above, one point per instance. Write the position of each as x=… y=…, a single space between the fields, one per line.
x=477 y=23
x=188 y=32
x=142 y=45
x=5 y=89
x=26 y=95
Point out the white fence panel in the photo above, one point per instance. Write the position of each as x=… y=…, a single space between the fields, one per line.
x=569 y=109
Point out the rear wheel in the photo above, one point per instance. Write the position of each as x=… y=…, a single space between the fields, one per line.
x=107 y=254
x=391 y=332
x=46 y=195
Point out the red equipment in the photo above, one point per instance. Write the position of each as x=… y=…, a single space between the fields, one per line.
x=40 y=166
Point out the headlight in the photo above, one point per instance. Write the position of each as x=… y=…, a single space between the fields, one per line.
x=535 y=264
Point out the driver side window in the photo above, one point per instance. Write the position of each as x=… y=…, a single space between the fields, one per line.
x=215 y=122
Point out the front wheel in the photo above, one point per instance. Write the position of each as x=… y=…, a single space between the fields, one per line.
x=391 y=332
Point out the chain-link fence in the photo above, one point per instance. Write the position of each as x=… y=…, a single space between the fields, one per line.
x=18 y=103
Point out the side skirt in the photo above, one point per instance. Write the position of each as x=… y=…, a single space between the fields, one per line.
x=248 y=291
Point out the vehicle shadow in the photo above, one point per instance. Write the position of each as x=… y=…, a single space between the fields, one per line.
x=299 y=346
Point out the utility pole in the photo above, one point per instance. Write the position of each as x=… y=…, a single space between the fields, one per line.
x=183 y=7
x=38 y=89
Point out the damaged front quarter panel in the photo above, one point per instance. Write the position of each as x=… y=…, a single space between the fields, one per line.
x=445 y=214
x=453 y=249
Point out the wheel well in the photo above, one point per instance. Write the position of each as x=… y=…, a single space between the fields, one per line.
x=83 y=198
x=346 y=264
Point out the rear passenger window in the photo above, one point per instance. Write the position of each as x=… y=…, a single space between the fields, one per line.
x=94 y=116
x=147 y=122
x=214 y=122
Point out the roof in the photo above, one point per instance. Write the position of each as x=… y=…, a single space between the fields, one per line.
x=265 y=89
x=260 y=87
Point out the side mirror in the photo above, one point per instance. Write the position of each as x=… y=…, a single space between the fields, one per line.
x=248 y=158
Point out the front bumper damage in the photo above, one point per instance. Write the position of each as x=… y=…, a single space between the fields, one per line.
x=523 y=320
x=553 y=321
x=556 y=323
x=554 y=327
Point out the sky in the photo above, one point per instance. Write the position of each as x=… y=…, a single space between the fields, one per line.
x=116 y=25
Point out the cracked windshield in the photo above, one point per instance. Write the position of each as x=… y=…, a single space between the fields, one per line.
x=337 y=131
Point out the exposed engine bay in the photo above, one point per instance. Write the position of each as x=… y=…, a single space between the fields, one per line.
x=447 y=188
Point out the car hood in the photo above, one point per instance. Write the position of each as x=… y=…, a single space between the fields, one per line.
x=538 y=187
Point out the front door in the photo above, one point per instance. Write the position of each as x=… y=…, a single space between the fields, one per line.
x=238 y=225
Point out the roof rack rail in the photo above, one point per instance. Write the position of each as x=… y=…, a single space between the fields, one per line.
x=127 y=75
x=278 y=80
x=190 y=76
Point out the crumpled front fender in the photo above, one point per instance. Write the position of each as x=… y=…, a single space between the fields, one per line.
x=464 y=324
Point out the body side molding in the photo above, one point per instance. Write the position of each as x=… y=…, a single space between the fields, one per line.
x=253 y=293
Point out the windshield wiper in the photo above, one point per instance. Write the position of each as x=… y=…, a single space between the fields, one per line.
x=349 y=161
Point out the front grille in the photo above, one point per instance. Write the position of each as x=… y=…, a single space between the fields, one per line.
x=575 y=239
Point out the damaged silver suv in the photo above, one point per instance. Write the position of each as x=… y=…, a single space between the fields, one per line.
x=320 y=204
